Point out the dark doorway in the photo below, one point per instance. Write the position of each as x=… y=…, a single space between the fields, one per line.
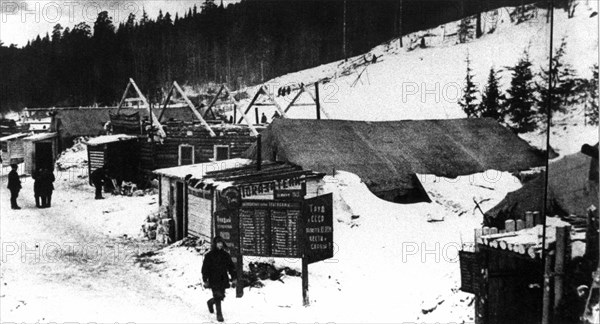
x=43 y=155
x=179 y=212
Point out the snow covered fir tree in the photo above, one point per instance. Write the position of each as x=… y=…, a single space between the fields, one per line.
x=469 y=100
x=520 y=101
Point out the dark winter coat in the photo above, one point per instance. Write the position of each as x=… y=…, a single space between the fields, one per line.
x=47 y=180
x=37 y=183
x=98 y=176
x=217 y=263
x=14 y=183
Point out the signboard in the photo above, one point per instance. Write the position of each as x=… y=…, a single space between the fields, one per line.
x=318 y=228
x=289 y=227
x=227 y=227
x=267 y=187
x=254 y=226
x=270 y=228
x=288 y=194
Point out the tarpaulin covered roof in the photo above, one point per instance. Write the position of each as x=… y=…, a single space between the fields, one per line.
x=569 y=192
x=386 y=155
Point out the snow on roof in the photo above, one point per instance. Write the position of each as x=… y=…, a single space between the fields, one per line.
x=105 y=139
x=40 y=136
x=199 y=170
x=527 y=241
x=13 y=136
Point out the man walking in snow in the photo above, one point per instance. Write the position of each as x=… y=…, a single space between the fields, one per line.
x=14 y=185
x=217 y=263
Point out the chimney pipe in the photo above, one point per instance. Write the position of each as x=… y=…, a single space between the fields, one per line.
x=258 y=152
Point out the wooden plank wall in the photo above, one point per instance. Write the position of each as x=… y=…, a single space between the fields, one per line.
x=165 y=155
x=514 y=289
x=199 y=215
x=96 y=157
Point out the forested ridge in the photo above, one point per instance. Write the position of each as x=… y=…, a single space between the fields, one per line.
x=242 y=44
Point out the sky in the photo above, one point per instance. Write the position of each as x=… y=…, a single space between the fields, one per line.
x=21 y=21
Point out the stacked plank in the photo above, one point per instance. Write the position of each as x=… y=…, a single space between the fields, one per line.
x=522 y=236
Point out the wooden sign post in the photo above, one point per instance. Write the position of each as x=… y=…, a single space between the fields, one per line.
x=227 y=225
x=317 y=240
x=288 y=227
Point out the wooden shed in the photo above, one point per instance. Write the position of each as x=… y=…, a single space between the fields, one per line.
x=119 y=152
x=41 y=151
x=174 y=197
x=12 y=149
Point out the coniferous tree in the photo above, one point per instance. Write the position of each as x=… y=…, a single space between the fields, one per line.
x=491 y=99
x=519 y=105
x=564 y=83
x=241 y=44
x=468 y=101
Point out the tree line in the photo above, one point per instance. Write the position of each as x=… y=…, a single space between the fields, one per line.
x=525 y=105
x=242 y=44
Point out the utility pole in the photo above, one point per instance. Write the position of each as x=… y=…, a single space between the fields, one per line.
x=400 y=24
x=344 y=33
x=546 y=261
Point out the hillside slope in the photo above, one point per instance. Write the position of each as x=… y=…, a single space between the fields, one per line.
x=426 y=83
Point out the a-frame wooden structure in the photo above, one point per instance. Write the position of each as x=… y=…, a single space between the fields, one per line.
x=314 y=97
x=175 y=86
x=263 y=91
x=154 y=121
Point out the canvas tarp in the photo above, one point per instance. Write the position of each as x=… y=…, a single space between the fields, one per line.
x=386 y=155
x=569 y=192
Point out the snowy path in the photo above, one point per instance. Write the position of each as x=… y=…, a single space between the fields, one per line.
x=79 y=284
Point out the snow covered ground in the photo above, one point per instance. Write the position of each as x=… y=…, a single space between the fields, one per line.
x=392 y=263
x=73 y=262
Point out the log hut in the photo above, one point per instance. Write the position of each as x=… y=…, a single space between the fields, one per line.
x=168 y=142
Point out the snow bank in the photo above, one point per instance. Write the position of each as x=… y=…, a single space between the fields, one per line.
x=73 y=157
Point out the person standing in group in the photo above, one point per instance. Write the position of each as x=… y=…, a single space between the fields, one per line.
x=14 y=185
x=37 y=183
x=98 y=177
x=217 y=263
x=47 y=186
